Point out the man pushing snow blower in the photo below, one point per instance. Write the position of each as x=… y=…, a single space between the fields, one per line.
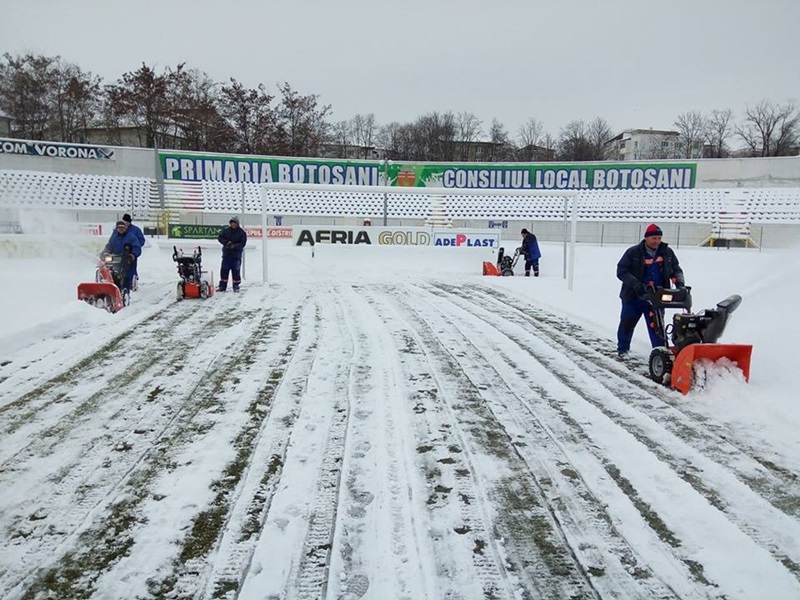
x=653 y=280
x=114 y=277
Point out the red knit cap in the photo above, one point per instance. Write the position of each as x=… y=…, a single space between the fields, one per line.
x=652 y=229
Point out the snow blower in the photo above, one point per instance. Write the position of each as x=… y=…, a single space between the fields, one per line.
x=192 y=284
x=505 y=264
x=107 y=291
x=694 y=337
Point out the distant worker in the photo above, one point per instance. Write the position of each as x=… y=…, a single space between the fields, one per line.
x=233 y=239
x=650 y=263
x=125 y=243
x=140 y=236
x=530 y=250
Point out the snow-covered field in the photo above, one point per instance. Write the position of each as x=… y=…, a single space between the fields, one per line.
x=385 y=423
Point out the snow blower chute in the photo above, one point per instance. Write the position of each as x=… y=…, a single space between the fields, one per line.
x=107 y=291
x=505 y=264
x=694 y=337
x=192 y=284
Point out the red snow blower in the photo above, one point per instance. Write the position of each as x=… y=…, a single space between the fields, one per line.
x=694 y=337
x=505 y=264
x=192 y=284
x=107 y=291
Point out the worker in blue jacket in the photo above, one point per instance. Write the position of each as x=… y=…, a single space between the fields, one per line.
x=650 y=263
x=233 y=239
x=530 y=250
x=140 y=236
x=125 y=243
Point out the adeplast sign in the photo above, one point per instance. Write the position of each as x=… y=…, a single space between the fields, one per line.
x=466 y=240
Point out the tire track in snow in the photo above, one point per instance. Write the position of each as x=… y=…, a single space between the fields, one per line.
x=88 y=496
x=292 y=556
x=765 y=525
x=581 y=517
x=380 y=544
x=466 y=431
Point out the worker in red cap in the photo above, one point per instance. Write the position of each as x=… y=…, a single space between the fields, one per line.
x=651 y=262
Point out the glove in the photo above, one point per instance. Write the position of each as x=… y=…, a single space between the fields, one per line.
x=680 y=285
x=131 y=257
x=638 y=289
x=229 y=245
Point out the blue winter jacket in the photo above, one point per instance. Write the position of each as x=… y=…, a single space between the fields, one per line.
x=632 y=269
x=116 y=243
x=530 y=247
x=138 y=233
x=233 y=241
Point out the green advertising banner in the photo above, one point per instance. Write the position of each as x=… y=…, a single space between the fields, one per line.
x=197 y=232
x=523 y=176
x=545 y=176
x=258 y=169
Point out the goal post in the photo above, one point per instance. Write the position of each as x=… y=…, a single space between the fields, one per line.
x=418 y=203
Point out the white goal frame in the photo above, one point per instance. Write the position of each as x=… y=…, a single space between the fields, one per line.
x=571 y=199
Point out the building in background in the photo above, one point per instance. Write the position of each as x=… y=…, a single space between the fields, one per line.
x=643 y=144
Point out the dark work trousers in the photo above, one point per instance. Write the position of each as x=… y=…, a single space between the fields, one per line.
x=230 y=264
x=532 y=264
x=632 y=311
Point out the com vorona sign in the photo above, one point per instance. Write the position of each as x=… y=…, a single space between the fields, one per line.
x=55 y=150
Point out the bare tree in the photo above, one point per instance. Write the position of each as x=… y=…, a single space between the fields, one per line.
x=302 y=123
x=341 y=136
x=529 y=136
x=598 y=133
x=550 y=143
x=468 y=131
x=363 y=130
x=140 y=99
x=717 y=131
x=388 y=138
x=197 y=117
x=574 y=142
x=770 y=129
x=501 y=147
x=691 y=126
x=26 y=92
x=436 y=136
x=250 y=117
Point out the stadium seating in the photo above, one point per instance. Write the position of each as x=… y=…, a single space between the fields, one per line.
x=122 y=193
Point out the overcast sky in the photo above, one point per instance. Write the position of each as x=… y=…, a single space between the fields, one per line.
x=636 y=63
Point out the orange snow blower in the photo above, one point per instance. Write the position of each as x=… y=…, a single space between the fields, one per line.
x=694 y=337
x=107 y=291
x=192 y=284
x=505 y=264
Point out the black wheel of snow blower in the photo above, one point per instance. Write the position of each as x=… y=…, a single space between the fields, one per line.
x=660 y=364
x=507 y=273
x=179 y=293
x=204 y=289
x=126 y=297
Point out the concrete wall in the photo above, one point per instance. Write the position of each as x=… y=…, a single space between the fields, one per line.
x=781 y=171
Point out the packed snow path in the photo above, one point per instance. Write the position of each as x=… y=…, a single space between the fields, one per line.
x=391 y=440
